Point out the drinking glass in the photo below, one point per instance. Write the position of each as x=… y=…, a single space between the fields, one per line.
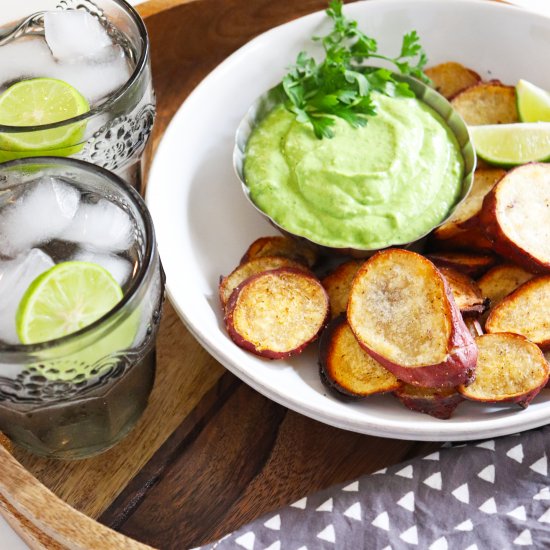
x=114 y=133
x=78 y=395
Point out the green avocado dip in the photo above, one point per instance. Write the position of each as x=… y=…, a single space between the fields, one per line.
x=389 y=182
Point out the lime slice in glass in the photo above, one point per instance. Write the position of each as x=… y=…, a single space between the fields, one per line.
x=65 y=299
x=512 y=144
x=36 y=102
x=533 y=102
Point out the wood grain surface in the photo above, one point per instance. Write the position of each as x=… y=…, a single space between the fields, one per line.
x=45 y=521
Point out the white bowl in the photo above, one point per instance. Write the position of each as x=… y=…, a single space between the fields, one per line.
x=204 y=223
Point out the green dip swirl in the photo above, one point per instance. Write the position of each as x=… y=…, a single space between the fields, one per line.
x=389 y=182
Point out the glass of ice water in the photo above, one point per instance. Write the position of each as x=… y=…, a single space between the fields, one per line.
x=76 y=395
x=98 y=50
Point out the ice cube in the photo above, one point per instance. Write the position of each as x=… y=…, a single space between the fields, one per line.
x=28 y=57
x=38 y=216
x=102 y=226
x=15 y=277
x=74 y=33
x=118 y=267
x=97 y=76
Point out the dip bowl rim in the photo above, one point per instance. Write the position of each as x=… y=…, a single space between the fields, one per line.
x=423 y=92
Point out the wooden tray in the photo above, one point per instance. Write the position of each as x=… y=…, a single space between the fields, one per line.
x=165 y=484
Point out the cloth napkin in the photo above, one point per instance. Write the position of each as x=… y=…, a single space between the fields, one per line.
x=485 y=495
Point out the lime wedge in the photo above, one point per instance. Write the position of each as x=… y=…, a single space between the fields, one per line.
x=36 y=102
x=512 y=144
x=533 y=102
x=65 y=299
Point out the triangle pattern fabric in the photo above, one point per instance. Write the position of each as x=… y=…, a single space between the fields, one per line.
x=410 y=535
x=354 y=511
x=382 y=521
x=545 y=518
x=327 y=534
x=518 y=513
x=488 y=473
x=246 y=540
x=433 y=456
x=524 y=538
x=498 y=486
x=440 y=544
x=540 y=466
x=465 y=526
x=461 y=493
x=434 y=481
x=407 y=471
x=516 y=453
x=543 y=494
x=274 y=523
x=489 y=506
x=302 y=503
x=352 y=487
x=490 y=444
x=382 y=471
x=407 y=501
x=326 y=506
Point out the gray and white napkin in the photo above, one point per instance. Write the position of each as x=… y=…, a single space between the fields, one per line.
x=485 y=495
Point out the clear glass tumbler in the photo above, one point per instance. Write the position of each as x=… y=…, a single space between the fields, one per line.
x=115 y=131
x=78 y=395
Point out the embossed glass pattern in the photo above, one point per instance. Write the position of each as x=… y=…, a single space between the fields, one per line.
x=80 y=394
x=118 y=126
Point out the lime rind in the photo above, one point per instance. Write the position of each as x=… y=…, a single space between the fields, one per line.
x=509 y=145
x=533 y=102
x=37 y=102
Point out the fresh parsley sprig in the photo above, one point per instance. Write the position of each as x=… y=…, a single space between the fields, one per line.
x=338 y=86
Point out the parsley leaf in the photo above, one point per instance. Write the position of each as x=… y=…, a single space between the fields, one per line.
x=339 y=86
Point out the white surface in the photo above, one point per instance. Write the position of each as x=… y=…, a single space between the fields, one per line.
x=204 y=223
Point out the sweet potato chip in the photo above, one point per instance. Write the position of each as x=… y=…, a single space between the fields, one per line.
x=510 y=368
x=451 y=78
x=502 y=280
x=437 y=402
x=525 y=312
x=347 y=367
x=249 y=268
x=468 y=263
x=276 y=314
x=403 y=314
x=466 y=292
x=484 y=181
x=456 y=239
x=516 y=216
x=338 y=285
x=487 y=103
x=281 y=246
